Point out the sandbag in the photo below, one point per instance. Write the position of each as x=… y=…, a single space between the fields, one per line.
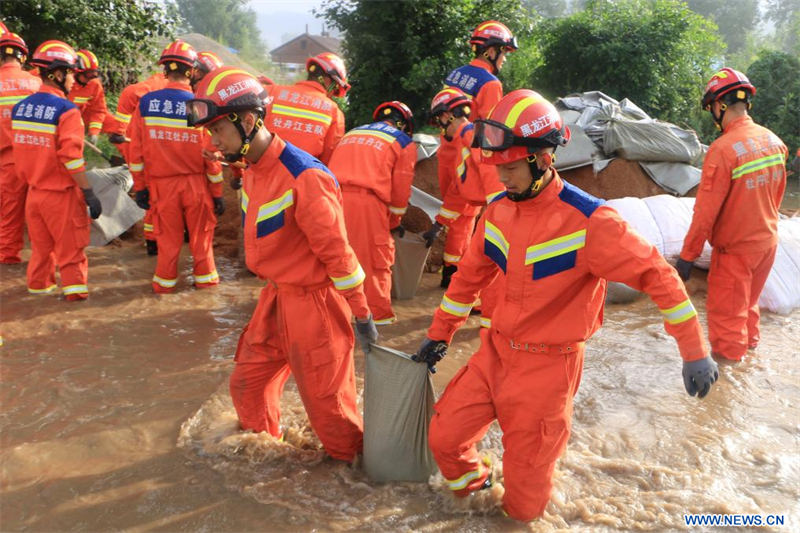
x=643 y=140
x=111 y=185
x=398 y=406
x=409 y=262
x=781 y=293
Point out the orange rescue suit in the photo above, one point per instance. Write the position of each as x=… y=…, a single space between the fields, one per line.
x=305 y=116
x=553 y=254
x=48 y=150
x=15 y=84
x=736 y=211
x=374 y=164
x=127 y=104
x=167 y=159
x=91 y=100
x=295 y=238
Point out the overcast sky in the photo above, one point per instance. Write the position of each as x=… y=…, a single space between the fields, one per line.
x=278 y=19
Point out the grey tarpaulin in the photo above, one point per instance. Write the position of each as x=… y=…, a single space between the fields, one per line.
x=677 y=178
x=111 y=185
x=398 y=406
x=409 y=262
x=427 y=145
x=425 y=201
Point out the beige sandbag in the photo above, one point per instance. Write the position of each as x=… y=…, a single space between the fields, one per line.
x=398 y=406
x=409 y=262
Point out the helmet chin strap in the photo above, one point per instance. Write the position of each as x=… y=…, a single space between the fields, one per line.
x=61 y=84
x=718 y=121
x=492 y=61
x=246 y=138
x=536 y=184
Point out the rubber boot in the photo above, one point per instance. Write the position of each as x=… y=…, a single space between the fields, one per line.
x=152 y=247
x=447 y=273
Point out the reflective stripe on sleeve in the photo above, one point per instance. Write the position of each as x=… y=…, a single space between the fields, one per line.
x=680 y=313
x=215 y=178
x=166 y=283
x=455 y=308
x=397 y=210
x=353 y=280
x=136 y=167
x=75 y=163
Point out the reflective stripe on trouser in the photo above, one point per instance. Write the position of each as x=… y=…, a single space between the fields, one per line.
x=458 y=236
x=735 y=283
x=174 y=200
x=13 y=189
x=366 y=219
x=148 y=225
x=532 y=403
x=58 y=227
x=307 y=334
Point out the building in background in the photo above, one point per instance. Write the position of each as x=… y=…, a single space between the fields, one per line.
x=291 y=56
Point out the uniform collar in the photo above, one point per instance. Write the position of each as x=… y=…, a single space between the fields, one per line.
x=179 y=86
x=10 y=66
x=315 y=85
x=44 y=88
x=270 y=156
x=746 y=120
x=547 y=196
x=480 y=64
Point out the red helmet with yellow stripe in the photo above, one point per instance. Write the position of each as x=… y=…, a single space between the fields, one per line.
x=397 y=111
x=493 y=33
x=208 y=61
x=449 y=99
x=55 y=54
x=178 y=52
x=521 y=124
x=12 y=44
x=333 y=66
x=89 y=61
x=725 y=81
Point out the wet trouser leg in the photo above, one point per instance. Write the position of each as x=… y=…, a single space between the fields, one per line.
x=458 y=236
x=309 y=330
x=531 y=396
x=42 y=264
x=735 y=282
x=198 y=209
x=13 y=190
x=367 y=221
x=167 y=215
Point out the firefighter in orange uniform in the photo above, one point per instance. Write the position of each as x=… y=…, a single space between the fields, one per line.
x=48 y=154
x=89 y=96
x=744 y=177
x=15 y=84
x=295 y=238
x=554 y=247
x=491 y=42
x=304 y=113
x=374 y=164
x=474 y=185
x=172 y=178
x=126 y=105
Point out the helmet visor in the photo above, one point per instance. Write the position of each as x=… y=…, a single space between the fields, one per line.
x=496 y=137
x=200 y=111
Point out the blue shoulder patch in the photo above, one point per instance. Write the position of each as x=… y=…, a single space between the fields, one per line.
x=165 y=103
x=498 y=197
x=469 y=79
x=467 y=128
x=42 y=108
x=580 y=200
x=297 y=161
x=399 y=135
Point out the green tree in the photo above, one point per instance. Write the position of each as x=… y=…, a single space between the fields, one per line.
x=404 y=50
x=777 y=101
x=231 y=22
x=734 y=18
x=123 y=35
x=657 y=53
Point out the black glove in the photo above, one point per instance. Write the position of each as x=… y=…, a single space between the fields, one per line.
x=366 y=333
x=236 y=183
x=143 y=199
x=430 y=352
x=219 y=206
x=400 y=231
x=431 y=234
x=684 y=269
x=116 y=138
x=698 y=376
x=95 y=207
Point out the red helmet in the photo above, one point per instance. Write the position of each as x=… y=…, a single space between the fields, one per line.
x=55 y=54
x=12 y=44
x=725 y=81
x=3 y=28
x=226 y=90
x=493 y=33
x=398 y=110
x=449 y=99
x=208 y=61
x=89 y=61
x=522 y=123
x=333 y=66
x=178 y=52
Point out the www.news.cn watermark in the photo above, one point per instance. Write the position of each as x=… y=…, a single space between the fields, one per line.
x=734 y=520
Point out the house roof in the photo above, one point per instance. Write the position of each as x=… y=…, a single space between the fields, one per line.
x=331 y=44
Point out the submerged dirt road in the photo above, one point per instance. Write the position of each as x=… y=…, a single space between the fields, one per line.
x=115 y=416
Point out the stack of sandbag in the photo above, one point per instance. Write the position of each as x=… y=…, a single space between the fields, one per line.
x=782 y=291
x=111 y=185
x=398 y=406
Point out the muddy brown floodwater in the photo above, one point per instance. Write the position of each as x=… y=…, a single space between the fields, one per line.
x=115 y=416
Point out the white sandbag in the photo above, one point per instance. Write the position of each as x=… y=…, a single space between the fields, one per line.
x=636 y=213
x=673 y=217
x=409 y=262
x=781 y=293
x=119 y=211
x=425 y=201
x=398 y=406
